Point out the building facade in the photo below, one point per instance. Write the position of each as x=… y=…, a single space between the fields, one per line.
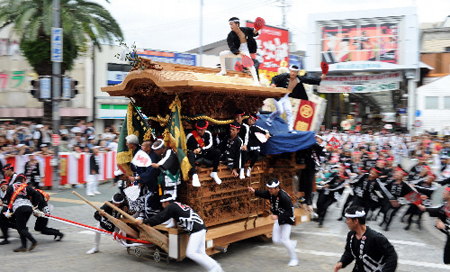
x=373 y=62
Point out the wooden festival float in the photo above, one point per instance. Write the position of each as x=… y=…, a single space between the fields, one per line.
x=229 y=211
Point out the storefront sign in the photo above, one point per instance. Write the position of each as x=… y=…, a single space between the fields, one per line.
x=368 y=88
x=362 y=80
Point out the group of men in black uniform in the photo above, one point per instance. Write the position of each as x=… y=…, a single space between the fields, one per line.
x=377 y=186
x=239 y=146
x=19 y=200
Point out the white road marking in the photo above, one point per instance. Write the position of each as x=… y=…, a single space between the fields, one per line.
x=325 y=234
x=86 y=232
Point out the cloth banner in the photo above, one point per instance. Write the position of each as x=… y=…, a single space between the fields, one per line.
x=282 y=141
x=304 y=116
x=175 y=138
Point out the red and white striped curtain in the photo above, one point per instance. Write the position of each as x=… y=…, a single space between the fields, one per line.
x=74 y=167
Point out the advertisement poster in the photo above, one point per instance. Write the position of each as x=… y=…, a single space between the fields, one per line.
x=369 y=42
x=273 y=48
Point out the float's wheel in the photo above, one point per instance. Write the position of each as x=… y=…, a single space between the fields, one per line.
x=137 y=252
x=265 y=238
x=157 y=256
x=129 y=249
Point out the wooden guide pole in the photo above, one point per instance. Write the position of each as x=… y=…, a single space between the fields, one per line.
x=120 y=224
x=157 y=237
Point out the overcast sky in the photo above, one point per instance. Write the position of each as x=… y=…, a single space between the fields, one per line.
x=173 y=25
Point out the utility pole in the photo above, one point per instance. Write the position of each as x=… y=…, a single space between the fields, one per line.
x=284 y=5
x=200 y=49
x=57 y=41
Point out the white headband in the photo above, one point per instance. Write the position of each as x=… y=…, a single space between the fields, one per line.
x=293 y=69
x=357 y=214
x=236 y=21
x=158 y=146
x=116 y=202
x=273 y=185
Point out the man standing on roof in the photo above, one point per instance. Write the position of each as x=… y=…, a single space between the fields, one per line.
x=294 y=83
x=241 y=42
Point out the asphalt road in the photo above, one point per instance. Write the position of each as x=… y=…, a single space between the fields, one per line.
x=318 y=249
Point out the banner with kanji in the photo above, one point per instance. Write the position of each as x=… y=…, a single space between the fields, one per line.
x=175 y=138
x=304 y=116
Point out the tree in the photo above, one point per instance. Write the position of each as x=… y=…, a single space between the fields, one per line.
x=84 y=23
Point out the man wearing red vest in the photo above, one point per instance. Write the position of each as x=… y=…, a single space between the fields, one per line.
x=200 y=145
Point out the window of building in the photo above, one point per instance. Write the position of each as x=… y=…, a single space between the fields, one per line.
x=446 y=102
x=431 y=102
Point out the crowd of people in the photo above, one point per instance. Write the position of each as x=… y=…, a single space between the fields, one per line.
x=29 y=137
x=384 y=170
x=32 y=142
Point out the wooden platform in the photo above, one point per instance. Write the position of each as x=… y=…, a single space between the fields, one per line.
x=220 y=237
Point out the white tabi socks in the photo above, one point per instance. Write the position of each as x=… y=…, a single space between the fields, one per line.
x=241 y=175
x=249 y=171
x=216 y=177
x=195 y=181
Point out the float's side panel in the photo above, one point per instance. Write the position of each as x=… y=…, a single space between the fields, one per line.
x=227 y=202
x=284 y=168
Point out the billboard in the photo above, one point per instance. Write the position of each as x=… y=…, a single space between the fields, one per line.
x=273 y=48
x=355 y=41
x=360 y=42
x=169 y=57
x=117 y=72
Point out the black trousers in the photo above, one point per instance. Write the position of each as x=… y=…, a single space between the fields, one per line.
x=413 y=210
x=23 y=213
x=213 y=155
x=41 y=223
x=244 y=158
x=4 y=222
x=253 y=156
x=389 y=215
x=306 y=183
x=323 y=203
x=447 y=251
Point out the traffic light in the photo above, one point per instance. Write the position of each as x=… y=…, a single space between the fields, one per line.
x=35 y=88
x=73 y=88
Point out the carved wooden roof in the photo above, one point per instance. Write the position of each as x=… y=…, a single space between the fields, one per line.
x=200 y=90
